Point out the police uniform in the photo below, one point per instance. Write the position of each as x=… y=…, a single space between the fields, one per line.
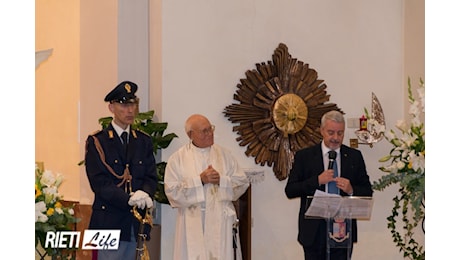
x=114 y=174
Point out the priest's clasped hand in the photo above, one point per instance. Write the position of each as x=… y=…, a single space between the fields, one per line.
x=141 y=199
x=210 y=175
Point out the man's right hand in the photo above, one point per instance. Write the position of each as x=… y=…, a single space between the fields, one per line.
x=326 y=176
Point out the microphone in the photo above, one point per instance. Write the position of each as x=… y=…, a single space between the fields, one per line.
x=332 y=156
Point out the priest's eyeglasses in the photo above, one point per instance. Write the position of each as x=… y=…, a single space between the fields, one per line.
x=206 y=131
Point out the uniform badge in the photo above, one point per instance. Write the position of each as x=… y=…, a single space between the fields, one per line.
x=128 y=88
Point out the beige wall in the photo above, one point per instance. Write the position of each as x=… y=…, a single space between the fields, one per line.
x=99 y=72
x=414 y=39
x=414 y=45
x=71 y=84
x=57 y=91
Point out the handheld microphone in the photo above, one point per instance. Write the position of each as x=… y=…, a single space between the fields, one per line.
x=332 y=156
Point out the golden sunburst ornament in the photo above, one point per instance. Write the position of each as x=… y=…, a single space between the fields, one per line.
x=279 y=111
x=290 y=114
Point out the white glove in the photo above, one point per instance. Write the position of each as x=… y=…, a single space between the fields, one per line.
x=140 y=204
x=138 y=198
x=148 y=202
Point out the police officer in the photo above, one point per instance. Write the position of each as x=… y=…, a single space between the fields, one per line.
x=122 y=174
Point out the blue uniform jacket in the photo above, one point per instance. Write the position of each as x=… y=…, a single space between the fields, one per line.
x=110 y=208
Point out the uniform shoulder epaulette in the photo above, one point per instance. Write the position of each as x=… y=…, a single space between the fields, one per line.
x=96 y=132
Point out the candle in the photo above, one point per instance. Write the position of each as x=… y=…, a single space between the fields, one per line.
x=363 y=123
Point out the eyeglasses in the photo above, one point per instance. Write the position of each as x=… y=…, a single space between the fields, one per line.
x=206 y=131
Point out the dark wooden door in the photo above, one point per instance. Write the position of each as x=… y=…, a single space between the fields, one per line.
x=243 y=210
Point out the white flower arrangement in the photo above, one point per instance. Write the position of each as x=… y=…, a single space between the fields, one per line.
x=408 y=152
x=50 y=214
x=407 y=168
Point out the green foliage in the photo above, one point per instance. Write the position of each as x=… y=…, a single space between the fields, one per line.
x=407 y=169
x=406 y=243
x=160 y=195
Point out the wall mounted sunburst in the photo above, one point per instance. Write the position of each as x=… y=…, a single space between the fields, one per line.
x=279 y=111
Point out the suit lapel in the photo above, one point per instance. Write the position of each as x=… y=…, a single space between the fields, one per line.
x=344 y=162
x=319 y=163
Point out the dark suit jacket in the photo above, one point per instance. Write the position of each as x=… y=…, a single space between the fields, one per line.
x=303 y=182
x=110 y=206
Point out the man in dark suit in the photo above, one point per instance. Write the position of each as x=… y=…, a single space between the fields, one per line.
x=122 y=174
x=310 y=173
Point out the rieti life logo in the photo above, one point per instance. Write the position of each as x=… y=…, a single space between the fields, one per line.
x=93 y=239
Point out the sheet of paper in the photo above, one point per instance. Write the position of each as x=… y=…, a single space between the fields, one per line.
x=356 y=207
x=325 y=205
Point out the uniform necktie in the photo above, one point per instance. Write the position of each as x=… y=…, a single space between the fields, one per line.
x=332 y=185
x=124 y=137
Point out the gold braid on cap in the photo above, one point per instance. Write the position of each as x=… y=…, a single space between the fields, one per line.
x=128 y=88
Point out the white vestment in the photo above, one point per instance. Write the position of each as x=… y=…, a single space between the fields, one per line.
x=195 y=202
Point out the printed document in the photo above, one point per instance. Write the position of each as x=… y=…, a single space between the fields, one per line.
x=328 y=205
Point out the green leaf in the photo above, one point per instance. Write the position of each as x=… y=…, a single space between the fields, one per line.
x=385 y=158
